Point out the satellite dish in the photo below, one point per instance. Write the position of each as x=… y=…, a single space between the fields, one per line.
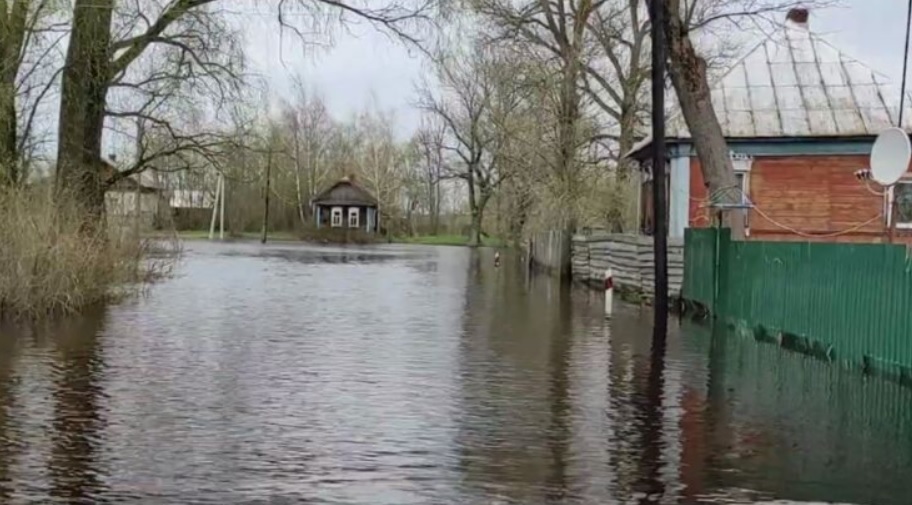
x=890 y=156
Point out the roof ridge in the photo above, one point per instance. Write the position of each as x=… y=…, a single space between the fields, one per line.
x=808 y=92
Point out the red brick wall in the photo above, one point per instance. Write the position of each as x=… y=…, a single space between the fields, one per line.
x=813 y=194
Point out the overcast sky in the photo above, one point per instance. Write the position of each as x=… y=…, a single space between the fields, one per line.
x=367 y=68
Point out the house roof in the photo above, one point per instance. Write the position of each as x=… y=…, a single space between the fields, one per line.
x=795 y=84
x=129 y=185
x=345 y=192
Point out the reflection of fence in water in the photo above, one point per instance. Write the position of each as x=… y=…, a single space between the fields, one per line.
x=796 y=427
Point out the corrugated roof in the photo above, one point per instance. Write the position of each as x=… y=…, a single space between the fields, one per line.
x=796 y=84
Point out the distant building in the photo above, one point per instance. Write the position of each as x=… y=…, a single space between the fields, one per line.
x=347 y=205
x=800 y=118
x=135 y=197
x=190 y=199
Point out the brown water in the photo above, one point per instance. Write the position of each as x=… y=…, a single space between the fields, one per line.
x=394 y=375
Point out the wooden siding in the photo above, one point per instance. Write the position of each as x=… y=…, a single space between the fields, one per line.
x=817 y=195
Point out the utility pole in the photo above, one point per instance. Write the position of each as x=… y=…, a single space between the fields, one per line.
x=218 y=189
x=266 y=196
x=221 y=205
x=660 y=233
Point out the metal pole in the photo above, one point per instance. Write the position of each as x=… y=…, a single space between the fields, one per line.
x=660 y=233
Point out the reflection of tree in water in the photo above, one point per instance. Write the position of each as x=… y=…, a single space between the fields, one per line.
x=7 y=441
x=513 y=431
x=77 y=418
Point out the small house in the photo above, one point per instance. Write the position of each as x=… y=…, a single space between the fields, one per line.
x=347 y=205
x=800 y=118
x=135 y=200
x=191 y=209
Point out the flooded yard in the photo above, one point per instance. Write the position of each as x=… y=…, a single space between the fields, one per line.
x=420 y=375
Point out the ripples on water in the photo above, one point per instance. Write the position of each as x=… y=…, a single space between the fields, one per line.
x=421 y=375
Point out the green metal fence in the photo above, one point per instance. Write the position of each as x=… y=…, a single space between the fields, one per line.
x=845 y=302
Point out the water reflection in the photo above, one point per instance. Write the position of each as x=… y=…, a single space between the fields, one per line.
x=7 y=407
x=78 y=422
x=397 y=375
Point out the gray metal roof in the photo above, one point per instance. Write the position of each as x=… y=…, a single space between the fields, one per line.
x=796 y=84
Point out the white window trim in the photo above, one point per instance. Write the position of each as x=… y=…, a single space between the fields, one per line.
x=888 y=202
x=354 y=215
x=742 y=164
x=336 y=217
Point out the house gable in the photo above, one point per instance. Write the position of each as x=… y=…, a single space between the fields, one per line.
x=345 y=192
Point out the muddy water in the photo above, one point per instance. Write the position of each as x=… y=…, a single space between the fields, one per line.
x=395 y=375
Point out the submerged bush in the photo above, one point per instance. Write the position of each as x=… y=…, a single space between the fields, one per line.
x=48 y=265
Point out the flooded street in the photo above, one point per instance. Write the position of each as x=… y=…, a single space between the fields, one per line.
x=418 y=375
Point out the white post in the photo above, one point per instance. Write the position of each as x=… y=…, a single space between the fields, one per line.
x=218 y=189
x=221 y=206
x=609 y=292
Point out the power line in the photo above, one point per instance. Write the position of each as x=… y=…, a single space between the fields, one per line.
x=902 y=96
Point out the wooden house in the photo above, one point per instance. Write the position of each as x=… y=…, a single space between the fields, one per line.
x=800 y=118
x=347 y=205
x=136 y=199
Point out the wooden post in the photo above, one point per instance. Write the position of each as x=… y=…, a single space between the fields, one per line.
x=660 y=236
x=266 y=198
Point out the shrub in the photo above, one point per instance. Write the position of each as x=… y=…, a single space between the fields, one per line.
x=49 y=266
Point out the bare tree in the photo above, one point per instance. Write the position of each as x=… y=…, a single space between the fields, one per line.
x=560 y=28
x=429 y=142
x=617 y=71
x=30 y=34
x=310 y=129
x=95 y=60
x=477 y=98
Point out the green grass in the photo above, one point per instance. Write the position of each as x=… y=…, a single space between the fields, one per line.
x=204 y=234
x=439 y=240
x=453 y=240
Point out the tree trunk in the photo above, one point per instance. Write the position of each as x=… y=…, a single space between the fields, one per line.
x=475 y=225
x=432 y=206
x=437 y=205
x=13 y=20
x=266 y=198
x=302 y=214
x=481 y=203
x=567 y=137
x=84 y=88
x=688 y=75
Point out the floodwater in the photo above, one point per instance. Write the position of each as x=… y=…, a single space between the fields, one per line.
x=411 y=375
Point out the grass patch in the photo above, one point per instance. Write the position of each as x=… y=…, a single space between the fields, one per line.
x=451 y=240
x=252 y=235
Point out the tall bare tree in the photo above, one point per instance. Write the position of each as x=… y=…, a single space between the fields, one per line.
x=478 y=96
x=30 y=33
x=429 y=142
x=95 y=60
x=616 y=72
x=560 y=28
x=309 y=131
